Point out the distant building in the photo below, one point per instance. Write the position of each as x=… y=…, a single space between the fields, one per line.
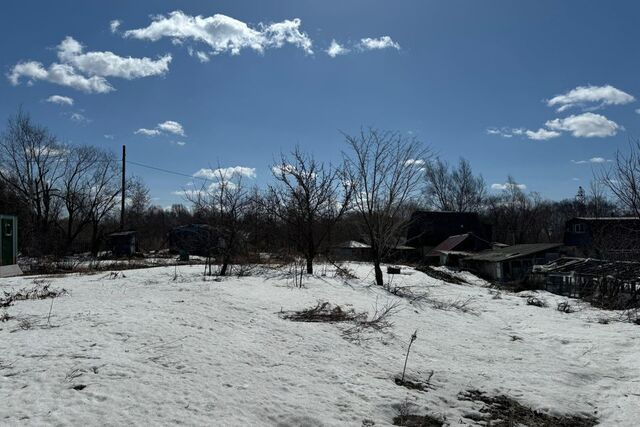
x=453 y=249
x=427 y=229
x=123 y=243
x=195 y=239
x=511 y=263
x=609 y=238
x=351 y=250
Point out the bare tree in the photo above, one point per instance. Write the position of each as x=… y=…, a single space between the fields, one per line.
x=623 y=178
x=224 y=203
x=103 y=191
x=384 y=171
x=310 y=197
x=75 y=189
x=454 y=189
x=31 y=164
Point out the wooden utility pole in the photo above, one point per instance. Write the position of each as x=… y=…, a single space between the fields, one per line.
x=124 y=166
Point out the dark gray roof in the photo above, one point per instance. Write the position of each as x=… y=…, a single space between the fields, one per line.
x=511 y=252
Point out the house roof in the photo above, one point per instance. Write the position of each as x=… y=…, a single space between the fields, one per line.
x=352 y=244
x=122 y=233
x=512 y=252
x=450 y=243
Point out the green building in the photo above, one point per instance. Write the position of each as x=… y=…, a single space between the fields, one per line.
x=8 y=240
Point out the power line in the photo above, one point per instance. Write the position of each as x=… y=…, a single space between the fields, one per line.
x=167 y=171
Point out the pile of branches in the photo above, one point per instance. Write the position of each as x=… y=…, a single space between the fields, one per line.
x=324 y=312
x=39 y=291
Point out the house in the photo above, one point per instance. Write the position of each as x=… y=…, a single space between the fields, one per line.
x=9 y=246
x=591 y=278
x=454 y=248
x=195 y=239
x=609 y=238
x=123 y=243
x=511 y=263
x=351 y=250
x=427 y=229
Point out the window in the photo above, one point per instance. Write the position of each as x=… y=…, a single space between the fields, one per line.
x=8 y=229
x=579 y=228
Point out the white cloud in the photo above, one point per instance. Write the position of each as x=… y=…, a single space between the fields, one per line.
x=507 y=186
x=61 y=74
x=172 y=127
x=169 y=126
x=582 y=96
x=180 y=143
x=542 y=134
x=108 y=64
x=414 y=162
x=109 y=136
x=79 y=118
x=147 y=132
x=383 y=42
x=60 y=100
x=202 y=56
x=222 y=33
x=227 y=173
x=588 y=125
x=114 y=25
x=336 y=49
x=591 y=160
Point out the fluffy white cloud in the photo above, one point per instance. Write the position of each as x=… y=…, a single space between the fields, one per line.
x=591 y=160
x=108 y=64
x=542 y=134
x=169 y=126
x=172 y=127
x=414 y=162
x=61 y=74
x=114 y=25
x=147 y=132
x=223 y=33
x=582 y=96
x=226 y=173
x=60 y=100
x=384 y=42
x=507 y=186
x=86 y=71
x=336 y=49
x=588 y=125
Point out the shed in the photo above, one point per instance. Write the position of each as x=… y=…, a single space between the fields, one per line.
x=9 y=246
x=351 y=250
x=123 y=243
x=450 y=251
x=195 y=239
x=511 y=263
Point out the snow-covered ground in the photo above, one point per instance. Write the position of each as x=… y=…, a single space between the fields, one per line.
x=151 y=350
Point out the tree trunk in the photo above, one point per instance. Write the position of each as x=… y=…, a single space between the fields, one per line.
x=225 y=266
x=309 y=265
x=378 y=271
x=94 y=239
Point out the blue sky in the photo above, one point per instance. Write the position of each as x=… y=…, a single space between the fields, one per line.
x=534 y=89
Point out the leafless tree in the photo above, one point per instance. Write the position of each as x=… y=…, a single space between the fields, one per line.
x=310 y=197
x=454 y=189
x=31 y=164
x=75 y=188
x=384 y=169
x=224 y=203
x=103 y=191
x=622 y=178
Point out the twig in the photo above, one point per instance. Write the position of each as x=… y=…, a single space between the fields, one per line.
x=413 y=338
